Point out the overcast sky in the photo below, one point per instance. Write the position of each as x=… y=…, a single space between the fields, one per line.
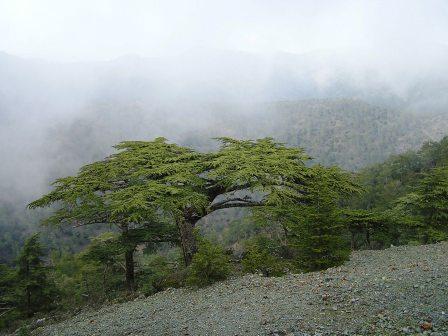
x=105 y=29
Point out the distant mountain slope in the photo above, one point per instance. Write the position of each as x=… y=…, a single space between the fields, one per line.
x=398 y=291
x=346 y=132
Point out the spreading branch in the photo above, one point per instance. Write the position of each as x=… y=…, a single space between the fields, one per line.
x=229 y=204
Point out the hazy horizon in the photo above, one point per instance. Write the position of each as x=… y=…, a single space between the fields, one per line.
x=99 y=30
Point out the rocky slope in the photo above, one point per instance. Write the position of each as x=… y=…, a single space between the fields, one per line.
x=398 y=291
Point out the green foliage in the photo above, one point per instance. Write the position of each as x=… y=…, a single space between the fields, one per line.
x=134 y=190
x=29 y=288
x=147 y=185
x=131 y=186
x=349 y=133
x=92 y=276
x=320 y=235
x=95 y=276
x=262 y=165
x=279 y=174
x=371 y=229
x=238 y=231
x=156 y=272
x=147 y=179
x=16 y=225
x=427 y=206
x=24 y=331
x=263 y=255
x=104 y=249
x=34 y=289
x=68 y=278
x=411 y=189
x=8 y=311
x=210 y=264
x=101 y=267
x=408 y=223
x=433 y=203
x=384 y=183
x=160 y=271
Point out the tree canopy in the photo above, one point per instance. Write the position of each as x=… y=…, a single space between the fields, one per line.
x=149 y=184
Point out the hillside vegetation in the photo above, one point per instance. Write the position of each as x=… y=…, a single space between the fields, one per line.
x=155 y=204
x=348 y=133
x=400 y=174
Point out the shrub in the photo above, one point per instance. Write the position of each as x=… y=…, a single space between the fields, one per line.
x=24 y=331
x=160 y=272
x=262 y=256
x=209 y=264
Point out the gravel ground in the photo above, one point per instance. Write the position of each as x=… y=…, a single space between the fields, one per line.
x=398 y=291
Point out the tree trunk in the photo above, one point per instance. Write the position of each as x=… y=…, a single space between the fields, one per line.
x=353 y=241
x=128 y=257
x=369 y=245
x=187 y=240
x=129 y=264
x=104 y=281
x=28 y=302
x=28 y=291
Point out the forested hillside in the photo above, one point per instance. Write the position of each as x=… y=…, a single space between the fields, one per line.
x=349 y=133
x=345 y=132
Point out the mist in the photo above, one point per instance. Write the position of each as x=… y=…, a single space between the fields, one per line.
x=78 y=77
x=104 y=30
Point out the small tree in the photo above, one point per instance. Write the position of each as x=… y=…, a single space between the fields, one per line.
x=102 y=265
x=7 y=300
x=320 y=233
x=366 y=223
x=159 y=272
x=433 y=205
x=35 y=291
x=427 y=206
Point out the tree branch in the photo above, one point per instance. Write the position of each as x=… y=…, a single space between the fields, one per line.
x=246 y=199
x=78 y=223
x=235 y=205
